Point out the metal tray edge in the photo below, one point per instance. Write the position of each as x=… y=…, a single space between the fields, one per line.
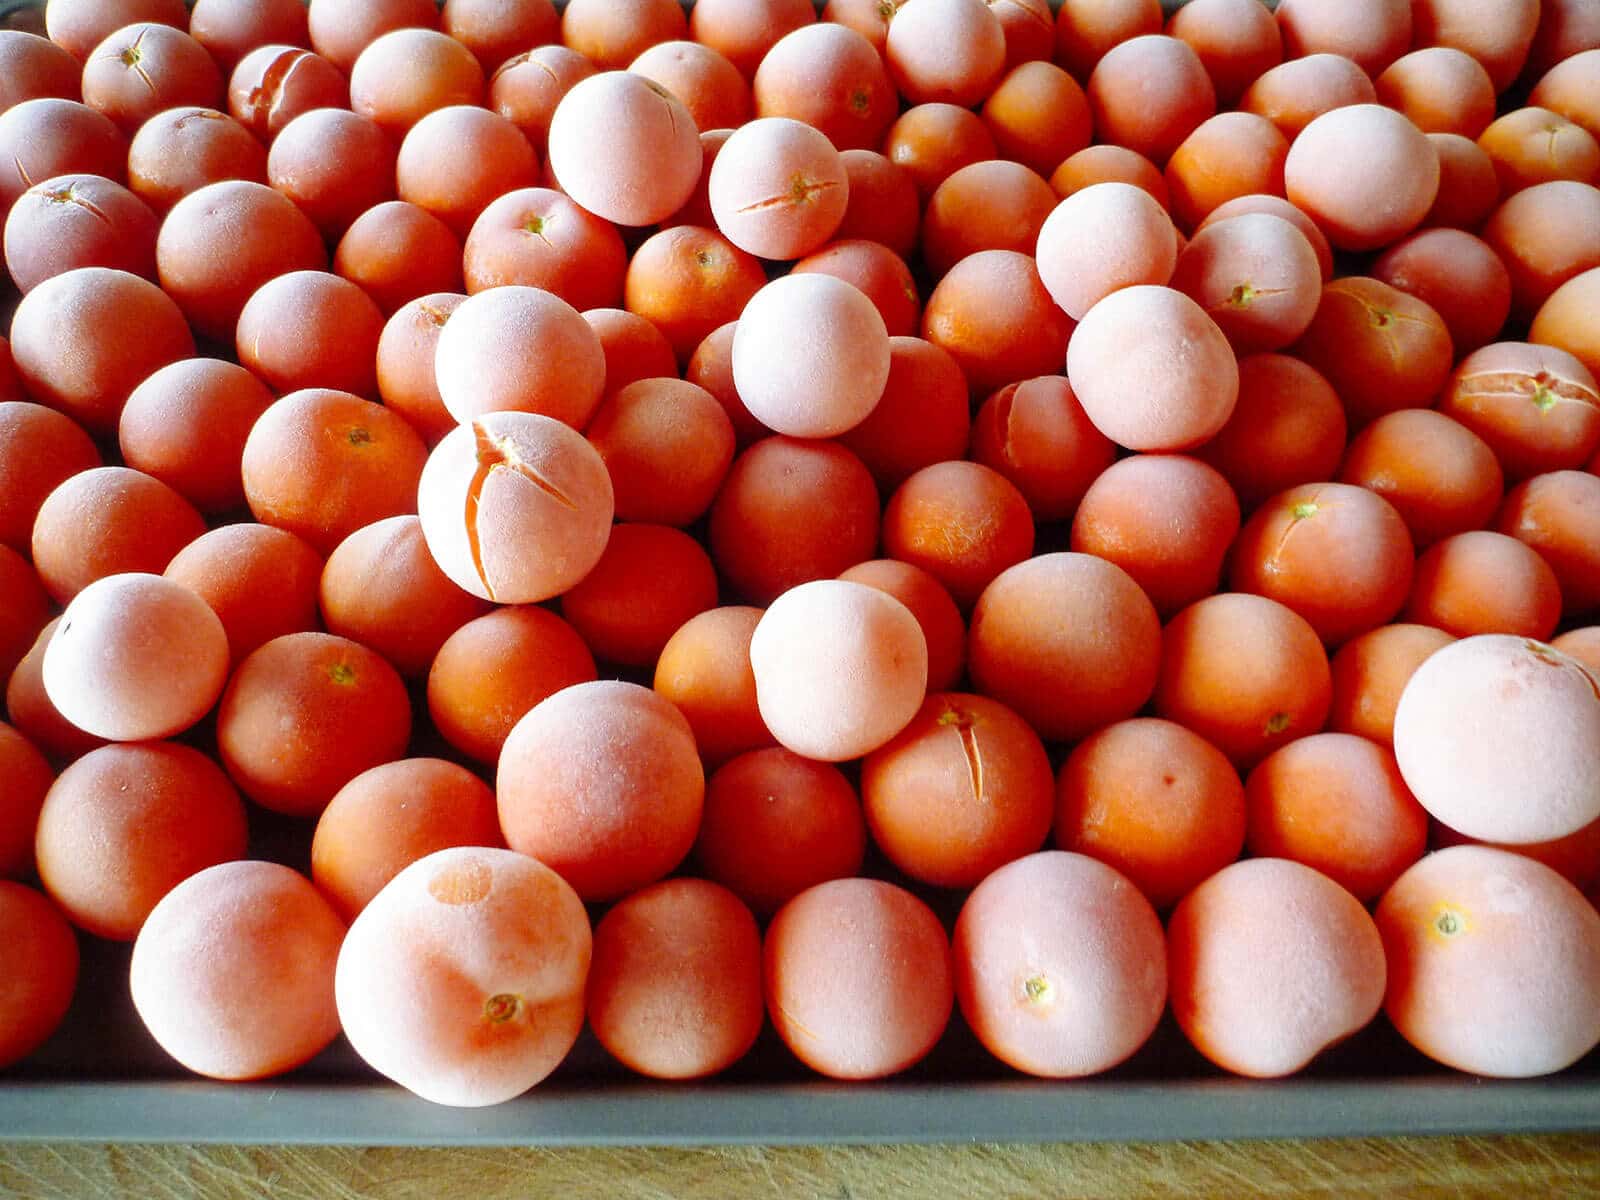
x=1023 y=1111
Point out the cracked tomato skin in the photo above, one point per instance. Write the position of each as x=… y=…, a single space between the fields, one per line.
x=526 y=88
x=272 y=85
x=1380 y=348
x=1537 y=406
x=1257 y=277
x=963 y=789
x=146 y=68
x=515 y=507
x=74 y=221
x=778 y=188
x=536 y=237
x=46 y=137
x=1533 y=145
x=709 y=86
x=181 y=150
x=1337 y=554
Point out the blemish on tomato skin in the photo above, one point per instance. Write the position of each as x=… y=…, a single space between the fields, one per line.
x=801 y=191
x=1542 y=389
x=466 y=881
x=964 y=722
x=1549 y=656
x=70 y=194
x=1447 y=922
x=263 y=100
x=502 y=1007
x=1300 y=511
x=1038 y=991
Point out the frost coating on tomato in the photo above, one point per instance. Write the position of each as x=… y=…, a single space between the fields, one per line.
x=1499 y=738
x=463 y=979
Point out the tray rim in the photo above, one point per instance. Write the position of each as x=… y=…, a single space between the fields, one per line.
x=808 y=1113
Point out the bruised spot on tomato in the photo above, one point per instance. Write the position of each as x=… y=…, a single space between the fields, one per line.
x=465 y=881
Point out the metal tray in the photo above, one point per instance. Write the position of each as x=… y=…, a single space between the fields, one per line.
x=101 y=1078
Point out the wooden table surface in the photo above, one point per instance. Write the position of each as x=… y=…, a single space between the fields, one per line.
x=1556 y=1166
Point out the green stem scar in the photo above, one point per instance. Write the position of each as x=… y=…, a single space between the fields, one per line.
x=537 y=225
x=500 y=1008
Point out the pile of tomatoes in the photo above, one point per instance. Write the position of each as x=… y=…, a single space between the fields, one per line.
x=733 y=477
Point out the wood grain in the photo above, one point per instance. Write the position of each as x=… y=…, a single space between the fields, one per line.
x=1546 y=1166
